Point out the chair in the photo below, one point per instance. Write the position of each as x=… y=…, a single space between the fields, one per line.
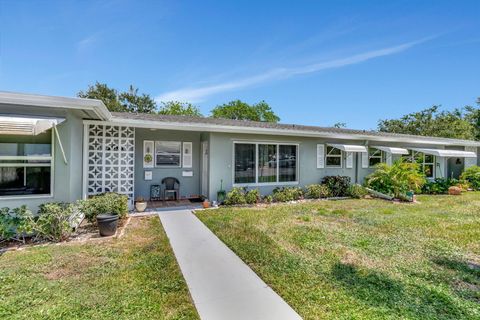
x=171 y=185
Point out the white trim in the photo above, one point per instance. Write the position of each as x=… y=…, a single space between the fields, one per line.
x=447 y=153
x=333 y=156
x=166 y=165
x=278 y=132
x=187 y=145
x=38 y=158
x=392 y=150
x=348 y=147
x=85 y=161
x=264 y=184
x=54 y=128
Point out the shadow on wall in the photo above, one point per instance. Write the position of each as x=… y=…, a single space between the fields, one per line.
x=382 y=291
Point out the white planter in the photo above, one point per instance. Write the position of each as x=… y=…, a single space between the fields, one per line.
x=140 y=206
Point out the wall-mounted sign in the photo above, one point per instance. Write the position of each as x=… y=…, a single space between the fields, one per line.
x=187 y=173
x=148 y=175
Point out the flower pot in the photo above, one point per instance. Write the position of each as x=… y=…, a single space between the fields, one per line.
x=107 y=224
x=206 y=204
x=140 y=206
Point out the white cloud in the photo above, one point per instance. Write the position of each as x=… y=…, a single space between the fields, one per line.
x=198 y=94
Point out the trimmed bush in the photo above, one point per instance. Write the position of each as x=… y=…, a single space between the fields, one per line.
x=285 y=194
x=396 y=180
x=53 y=221
x=357 y=191
x=235 y=196
x=439 y=186
x=106 y=203
x=317 y=191
x=268 y=198
x=252 y=196
x=472 y=176
x=338 y=185
x=15 y=224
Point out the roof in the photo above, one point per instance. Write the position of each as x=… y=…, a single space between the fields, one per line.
x=242 y=126
x=94 y=109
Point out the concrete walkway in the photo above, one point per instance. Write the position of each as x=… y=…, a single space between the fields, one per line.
x=221 y=284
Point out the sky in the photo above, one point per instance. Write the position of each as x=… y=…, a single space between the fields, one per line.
x=313 y=62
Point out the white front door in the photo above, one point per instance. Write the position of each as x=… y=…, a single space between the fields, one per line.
x=204 y=168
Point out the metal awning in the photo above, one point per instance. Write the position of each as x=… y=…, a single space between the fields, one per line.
x=447 y=153
x=27 y=125
x=348 y=147
x=392 y=150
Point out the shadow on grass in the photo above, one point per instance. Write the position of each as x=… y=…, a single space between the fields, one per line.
x=396 y=298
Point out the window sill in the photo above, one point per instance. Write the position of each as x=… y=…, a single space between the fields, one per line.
x=266 y=184
x=20 y=197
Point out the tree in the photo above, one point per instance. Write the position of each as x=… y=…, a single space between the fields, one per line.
x=473 y=116
x=128 y=101
x=339 y=125
x=432 y=122
x=179 y=108
x=239 y=110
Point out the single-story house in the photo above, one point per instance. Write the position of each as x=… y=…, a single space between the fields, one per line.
x=64 y=149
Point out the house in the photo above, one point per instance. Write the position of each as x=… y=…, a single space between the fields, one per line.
x=64 y=149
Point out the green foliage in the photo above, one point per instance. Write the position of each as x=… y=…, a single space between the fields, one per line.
x=317 y=191
x=396 y=180
x=53 y=222
x=15 y=224
x=338 y=185
x=458 y=124
x=439 y=186
x=357 y=191
x=179 y=109
x=239 y=110
x=285 y=194
x=268 y=198
x=236 y=196
x=107 y=203
x=127 y=101
x=472 y=176
x=252 y=196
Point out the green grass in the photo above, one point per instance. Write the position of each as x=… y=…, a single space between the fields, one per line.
x=135 y=277
x=363 y=259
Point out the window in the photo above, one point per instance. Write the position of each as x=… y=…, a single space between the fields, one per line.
x=333 y=158
x=265 y=163
x=168 y=153
x=426 y=162
x=25 y=169
x=375 y=156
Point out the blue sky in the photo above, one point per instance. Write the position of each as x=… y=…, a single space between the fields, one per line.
x=314 y=62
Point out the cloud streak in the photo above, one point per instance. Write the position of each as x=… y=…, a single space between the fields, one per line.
x=198 y=94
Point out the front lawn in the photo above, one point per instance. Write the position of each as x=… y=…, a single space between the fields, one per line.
x=363 y=259
x=135 y=277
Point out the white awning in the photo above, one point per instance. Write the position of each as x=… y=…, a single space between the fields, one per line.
x=26 y=125
x=447 y=153
x=348 y=147
x=392 y=150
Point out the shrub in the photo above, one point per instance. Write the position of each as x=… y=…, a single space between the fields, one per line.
x=107 y=203
x=268 y=198
x=285 y=194
x=338 y=185
x=252 y=196
x=235 y=196
x=15 y=224
x=54 y=221
x=317 y=191
x=357 y=191
x=396 y=180
x=472 y=176
x=439 y=186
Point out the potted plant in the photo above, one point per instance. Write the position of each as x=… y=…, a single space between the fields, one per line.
x=107 y=224
x=206 y=204
x=221 y=194
x=140 y=204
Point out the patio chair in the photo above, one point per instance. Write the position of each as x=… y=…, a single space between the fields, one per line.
x=171 y=185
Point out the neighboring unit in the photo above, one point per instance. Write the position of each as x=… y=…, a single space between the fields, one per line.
x=64 y=149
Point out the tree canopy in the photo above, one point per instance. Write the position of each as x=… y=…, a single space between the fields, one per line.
x=239 y=110
x=179 y=108
x=459 y=123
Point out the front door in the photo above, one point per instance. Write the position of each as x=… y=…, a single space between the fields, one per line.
x=205 y=168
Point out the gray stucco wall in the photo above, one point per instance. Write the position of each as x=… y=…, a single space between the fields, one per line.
x=188 y=185
x=67 y=177
x=221 y=160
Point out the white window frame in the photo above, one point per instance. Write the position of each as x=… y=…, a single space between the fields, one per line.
x=381 y=156
x=179 y=154
x=261 y=184
x=411 y=158
x=25 y=165
x=328 y=155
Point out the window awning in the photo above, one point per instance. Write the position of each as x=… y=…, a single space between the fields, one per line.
x=447 y=153
x=392 y=150
x=348 y=147
x=26 y=125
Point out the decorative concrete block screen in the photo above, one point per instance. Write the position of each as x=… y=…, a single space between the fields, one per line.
x=111 y=159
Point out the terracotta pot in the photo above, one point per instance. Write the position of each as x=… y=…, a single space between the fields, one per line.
x=206 y=204
x=454 y=191
x=140 y=206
